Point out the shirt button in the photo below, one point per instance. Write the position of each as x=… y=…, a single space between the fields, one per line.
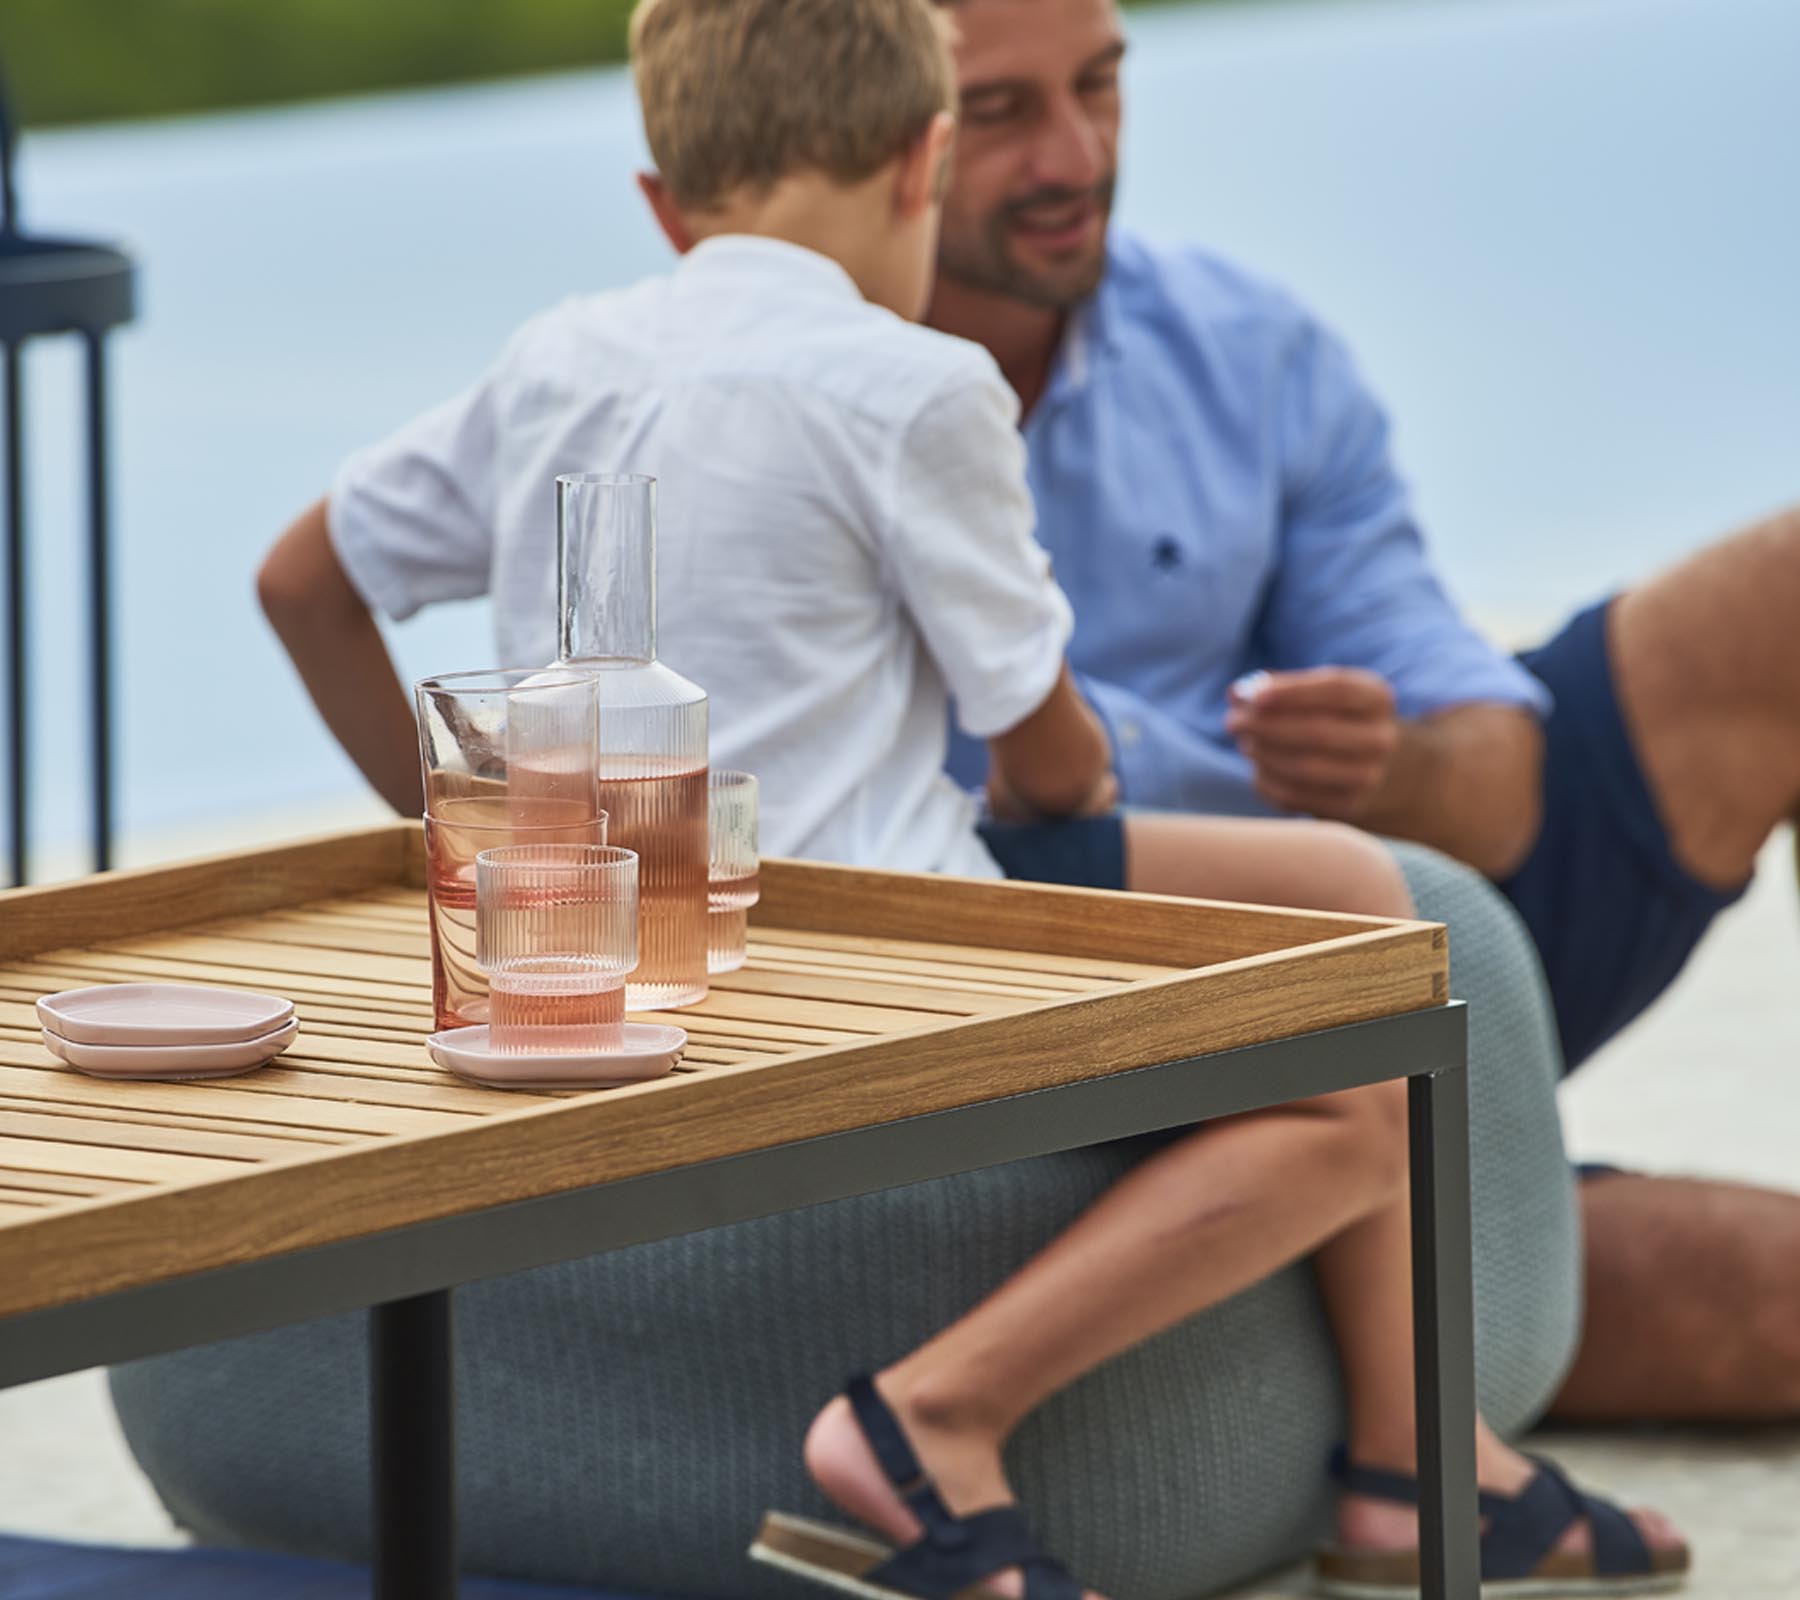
x=1130 y=734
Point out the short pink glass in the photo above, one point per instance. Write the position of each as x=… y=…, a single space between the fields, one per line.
x=734 y=868
x=556 y=928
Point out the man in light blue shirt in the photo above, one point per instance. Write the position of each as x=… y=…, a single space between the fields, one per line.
x=1259 y=627
x=1222 y=501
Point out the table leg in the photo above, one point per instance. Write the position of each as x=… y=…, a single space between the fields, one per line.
x=1444 y=1335
x=412 y=1448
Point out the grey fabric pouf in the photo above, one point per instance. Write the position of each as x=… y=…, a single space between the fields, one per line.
x=625 y=1420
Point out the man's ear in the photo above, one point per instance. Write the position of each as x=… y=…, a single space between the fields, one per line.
x=925 y=167
x=667 y=213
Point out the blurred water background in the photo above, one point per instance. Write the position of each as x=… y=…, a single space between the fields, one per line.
x=1561 y=234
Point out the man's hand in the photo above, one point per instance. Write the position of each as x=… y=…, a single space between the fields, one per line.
x=1322 y=741
x=1466 y=780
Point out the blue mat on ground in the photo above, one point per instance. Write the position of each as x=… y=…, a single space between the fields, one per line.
x=38 y=1569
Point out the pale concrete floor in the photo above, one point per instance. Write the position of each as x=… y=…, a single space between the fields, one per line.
x=1674 y=1093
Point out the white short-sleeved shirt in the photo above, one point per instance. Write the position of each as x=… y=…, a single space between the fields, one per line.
x=845 y=540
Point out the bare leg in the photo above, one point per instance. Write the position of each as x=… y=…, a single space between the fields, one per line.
x=1321 y=866
x=1194 y=1224
x=1707 y=661
x=1693 y=1303
x=1198 y=1222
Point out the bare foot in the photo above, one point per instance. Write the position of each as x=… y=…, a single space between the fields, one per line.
x=963 y=1463
x=1367 y=1524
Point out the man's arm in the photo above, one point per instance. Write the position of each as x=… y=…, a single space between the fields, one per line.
x=1056 y=763
x=1467 y=781
x=1330 y=742
x=342 y=659
x=1393 y=712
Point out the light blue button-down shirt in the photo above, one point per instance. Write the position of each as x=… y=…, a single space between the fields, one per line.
x=1214 y=488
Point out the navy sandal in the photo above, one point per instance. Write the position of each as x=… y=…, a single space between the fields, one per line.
x=955 y=1554
x=1518 y=1549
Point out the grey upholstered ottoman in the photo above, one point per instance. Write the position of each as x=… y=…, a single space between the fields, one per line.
x=625 y=1420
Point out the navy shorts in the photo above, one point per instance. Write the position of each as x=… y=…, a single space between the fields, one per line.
x=1614 y=915
x=1084 y=852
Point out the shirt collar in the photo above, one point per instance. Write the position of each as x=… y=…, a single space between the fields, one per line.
x=1089 y=336
x=741 y=257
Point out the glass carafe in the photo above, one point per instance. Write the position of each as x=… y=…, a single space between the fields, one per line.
x=652 y=724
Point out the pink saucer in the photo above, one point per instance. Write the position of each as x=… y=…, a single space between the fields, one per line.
x=649 y=1051
x=139 y=1014
x=171 y=1060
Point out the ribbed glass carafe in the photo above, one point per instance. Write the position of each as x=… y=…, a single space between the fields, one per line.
x=652 y=724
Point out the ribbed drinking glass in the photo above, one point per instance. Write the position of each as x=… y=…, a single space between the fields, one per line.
x=733 y=872
x=556 y=934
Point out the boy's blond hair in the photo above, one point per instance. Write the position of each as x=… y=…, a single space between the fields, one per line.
x=742 y=93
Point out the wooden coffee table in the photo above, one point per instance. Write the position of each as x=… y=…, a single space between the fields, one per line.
x=889 y=1028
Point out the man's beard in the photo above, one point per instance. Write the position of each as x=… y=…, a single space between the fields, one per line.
x=985 y=261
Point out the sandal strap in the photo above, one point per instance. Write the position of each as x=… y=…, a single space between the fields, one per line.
x=882 y=1429
x=1530 y=1525
x=934 y=1569
x=1523 y=1529
x=1399 y=1488
x=1619 y=1550
x=888 y=1440
x=956 y=1552
x=1527 y=1527
x=1048 y=1579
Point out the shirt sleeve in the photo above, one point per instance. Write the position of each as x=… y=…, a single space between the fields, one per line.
x=412 y=518
x=1353 y=586
x=961 y=552
x=1162 y=763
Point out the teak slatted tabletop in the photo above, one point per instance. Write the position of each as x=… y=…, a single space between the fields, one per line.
x=887 y=1028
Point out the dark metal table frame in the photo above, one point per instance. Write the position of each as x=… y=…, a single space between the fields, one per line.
x=405 y=1276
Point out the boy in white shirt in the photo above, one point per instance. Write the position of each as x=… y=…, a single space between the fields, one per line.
x=846 y=542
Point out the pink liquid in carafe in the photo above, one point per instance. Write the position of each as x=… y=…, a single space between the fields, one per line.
x=664 y=820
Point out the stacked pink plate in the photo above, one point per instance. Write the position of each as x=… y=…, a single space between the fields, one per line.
x=165 y=1030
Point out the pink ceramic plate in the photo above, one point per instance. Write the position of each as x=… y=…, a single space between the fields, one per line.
x=649 y=1051
x=161 y=1014
x=171 y=1060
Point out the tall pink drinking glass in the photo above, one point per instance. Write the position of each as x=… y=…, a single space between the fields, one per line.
x=510 y=756
x=556 y=932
